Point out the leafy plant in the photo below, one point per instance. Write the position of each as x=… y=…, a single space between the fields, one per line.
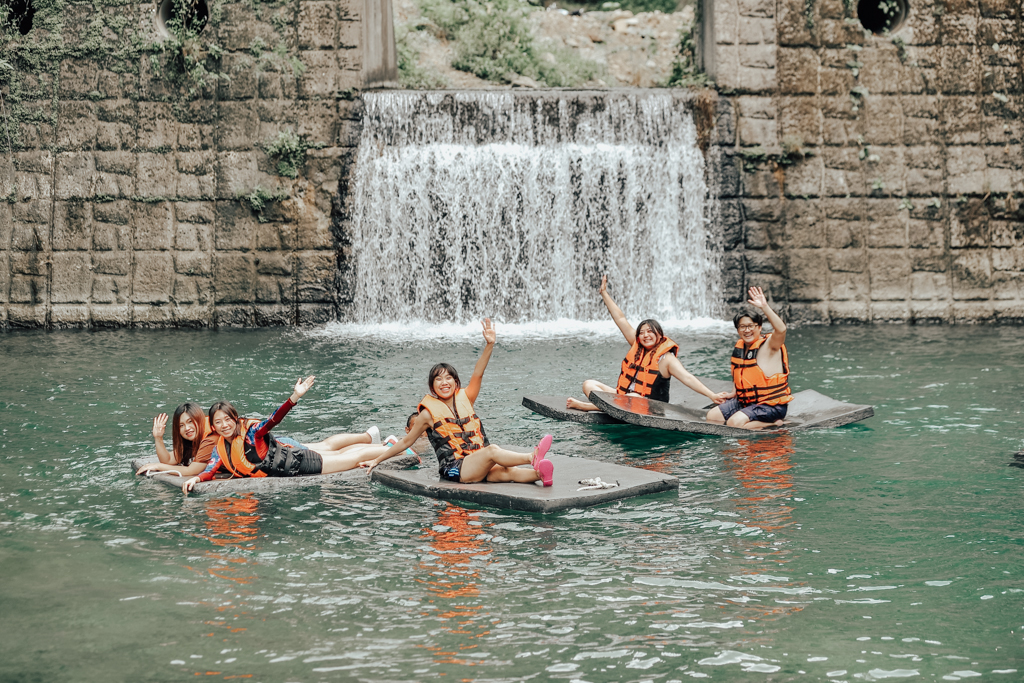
x=410 y=74
x=184 y=58
x=258 y=199
x=685 y=73
x=289 y=149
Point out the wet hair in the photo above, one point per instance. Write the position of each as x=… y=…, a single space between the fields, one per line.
x=408 y=423
x=437 y=370
x=756 y=317
x=183 y=454
x=226 y=407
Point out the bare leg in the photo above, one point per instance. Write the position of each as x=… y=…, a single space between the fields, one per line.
x=480 y=465
x=588 y=386
x=338 y=441
x=349 y=458
x=715 y=416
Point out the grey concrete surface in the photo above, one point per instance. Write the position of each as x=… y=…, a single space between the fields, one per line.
x=554 y=407
x=273 y=484
x=807 y=410
x=535 y=497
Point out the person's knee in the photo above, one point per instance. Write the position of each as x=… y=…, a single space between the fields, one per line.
x=738 y=420
x=715 y=415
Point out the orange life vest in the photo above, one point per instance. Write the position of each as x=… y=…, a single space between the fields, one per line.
x=752 y=385
x=640 y=368
x=460 y=431
x=236 y=461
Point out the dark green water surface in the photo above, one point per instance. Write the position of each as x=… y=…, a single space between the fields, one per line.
x=888 y=549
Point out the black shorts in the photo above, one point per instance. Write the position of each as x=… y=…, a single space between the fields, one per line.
x=452 y=472
x=292 y=462
x=758 y=412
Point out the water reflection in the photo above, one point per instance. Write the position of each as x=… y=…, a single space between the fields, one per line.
x=232 y=523
x=454 y=543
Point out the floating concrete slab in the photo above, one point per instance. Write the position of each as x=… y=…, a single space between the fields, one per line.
x=554 y=406
x=564 y=494
x=272 y=484
x=807 y=410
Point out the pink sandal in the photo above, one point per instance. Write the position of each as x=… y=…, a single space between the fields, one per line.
x=546 y=470
x=541 y=450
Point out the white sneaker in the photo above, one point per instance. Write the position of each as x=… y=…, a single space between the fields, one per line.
x=374 y=435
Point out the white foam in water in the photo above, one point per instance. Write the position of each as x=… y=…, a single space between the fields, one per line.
x=404 y=332
x=467 y=205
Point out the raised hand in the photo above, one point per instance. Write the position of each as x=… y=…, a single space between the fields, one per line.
x=604 y=285
x=757 y=298
x=490 y=336
x=303 y=385
x=159 y=424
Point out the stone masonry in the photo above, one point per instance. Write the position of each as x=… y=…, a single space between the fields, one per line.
x=121 y=191
x=873 y=177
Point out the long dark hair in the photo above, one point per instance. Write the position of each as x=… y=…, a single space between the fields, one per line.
x=437 y=370
x=232 y=413
x=183 y=454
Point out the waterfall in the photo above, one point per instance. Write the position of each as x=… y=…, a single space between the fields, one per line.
x=512 y=205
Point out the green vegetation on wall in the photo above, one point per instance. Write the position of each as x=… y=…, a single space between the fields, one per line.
x=112 y=35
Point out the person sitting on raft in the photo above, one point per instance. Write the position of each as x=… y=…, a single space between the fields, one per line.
x=649 y=365
x=246 y=448
x=457 y=435
x=760 y=371
x=188 y=429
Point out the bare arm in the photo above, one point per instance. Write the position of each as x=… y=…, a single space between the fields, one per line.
x=159 y=425
x=419 y=425
x=778 y=338
x=670 y=364
x=473 y=390
x=617 y=315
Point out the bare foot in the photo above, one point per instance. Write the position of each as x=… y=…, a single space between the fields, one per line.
x=578 y=404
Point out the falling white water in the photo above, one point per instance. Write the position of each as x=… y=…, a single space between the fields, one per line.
x=512 y=206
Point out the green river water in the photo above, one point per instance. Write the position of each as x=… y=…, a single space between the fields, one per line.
x=890 y=549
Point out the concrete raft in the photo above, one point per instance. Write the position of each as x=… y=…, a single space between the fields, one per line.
x=554 y=406
x=807 y=410
x=272 y=484
x=564 y=494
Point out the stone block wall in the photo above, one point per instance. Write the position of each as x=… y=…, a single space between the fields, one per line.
x=120 y=177
x=873 y=177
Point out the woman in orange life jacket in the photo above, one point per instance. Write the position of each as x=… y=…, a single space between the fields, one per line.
x=464 y=454
x=189 y=426
x=246 y=448
x=649 y=365
x=760 y=371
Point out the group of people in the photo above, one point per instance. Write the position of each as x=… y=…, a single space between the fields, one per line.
x=220 y=441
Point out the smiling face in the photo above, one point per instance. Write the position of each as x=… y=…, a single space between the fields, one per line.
x=748 y=330
x=223 y=424
x=445 y=385
x=187 y=427
x=647 y=337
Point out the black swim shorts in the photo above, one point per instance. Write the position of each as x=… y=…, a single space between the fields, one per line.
x=452 y=473
x=292 y=462
x=758 y=412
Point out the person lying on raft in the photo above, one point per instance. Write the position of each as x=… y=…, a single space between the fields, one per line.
x=464 y=454
x=649 y=365
x=760 y=371
x=189 y=427
x=246 y=448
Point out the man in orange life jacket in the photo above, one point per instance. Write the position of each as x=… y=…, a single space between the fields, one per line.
x=760 y=371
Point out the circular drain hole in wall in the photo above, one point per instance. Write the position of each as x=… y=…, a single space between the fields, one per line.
x=882 y=16
x=191 y=15
x=20 y=13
